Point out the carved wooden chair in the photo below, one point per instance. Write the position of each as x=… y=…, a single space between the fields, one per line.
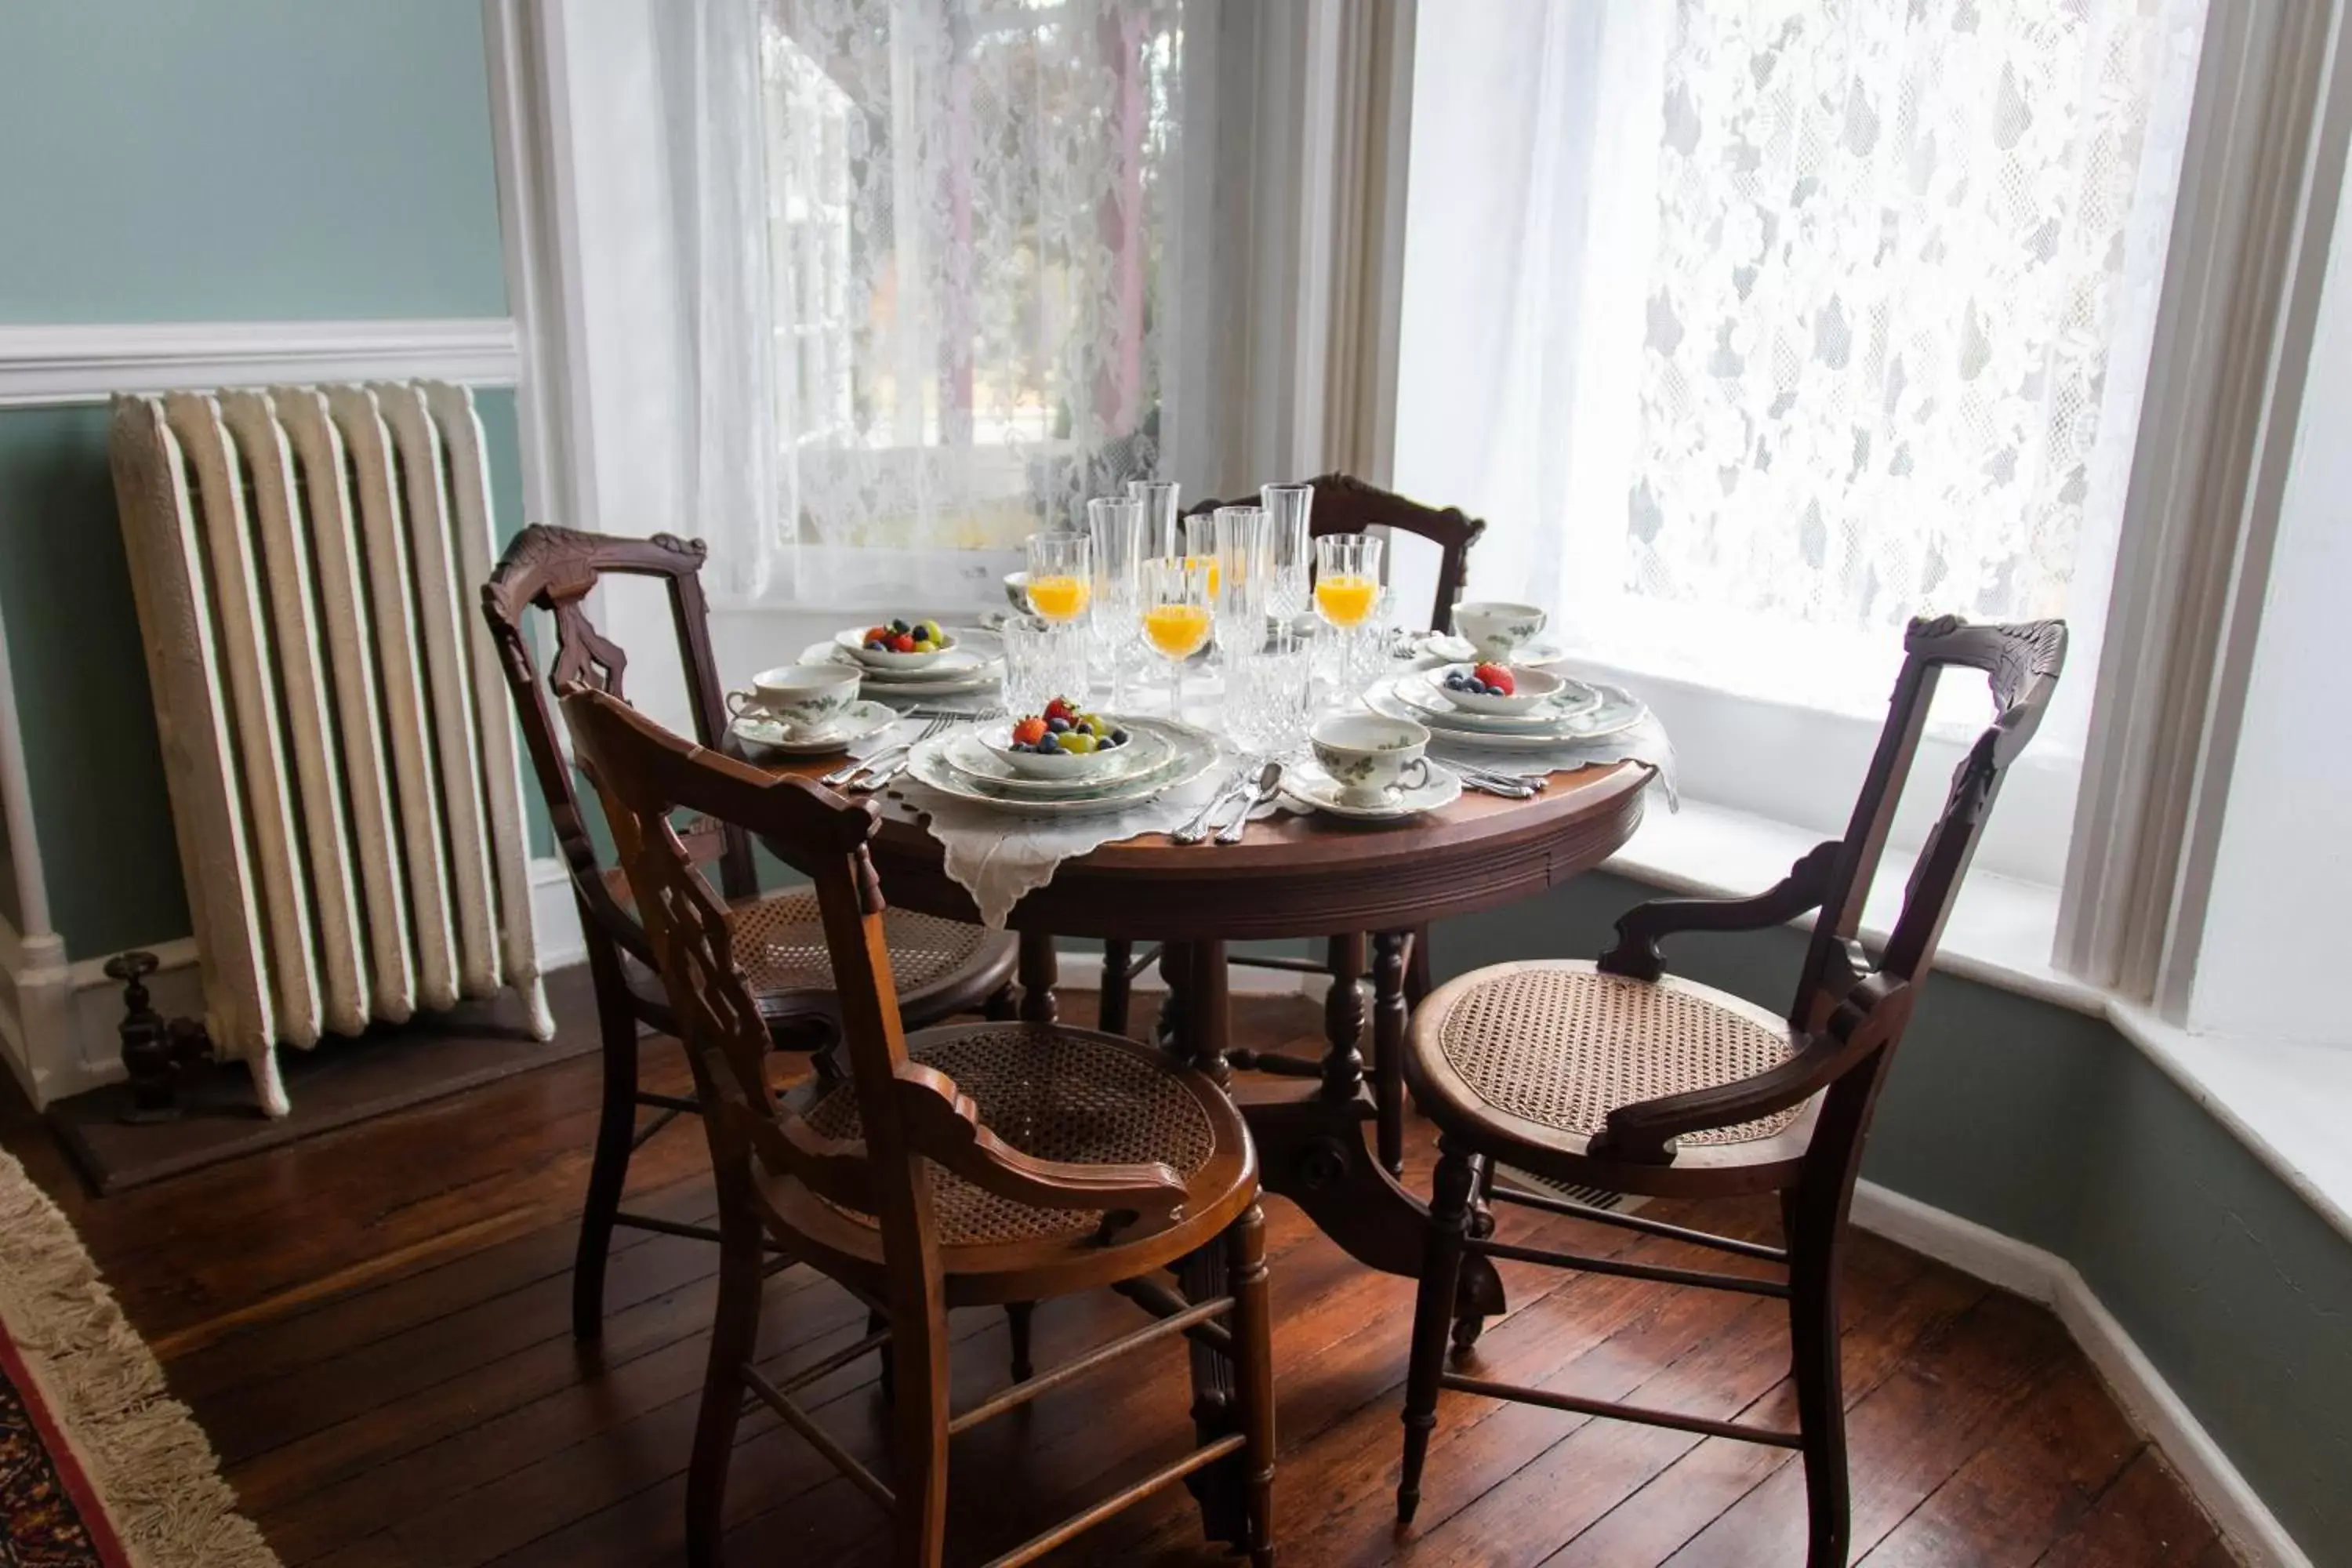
x=1342 y=504
x=1610 y=1075
x=974 y=1164
x=949 y=967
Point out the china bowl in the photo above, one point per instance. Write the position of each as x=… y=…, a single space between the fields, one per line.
x=1495 y=627
x=1535 y=687
x=852 y=640
x=1064 y=767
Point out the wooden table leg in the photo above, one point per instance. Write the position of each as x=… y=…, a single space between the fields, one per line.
x=1311 y=1143
x=1038 y=972
x=1208 y=1011
x=1389 y=1018
x=1343 y=1018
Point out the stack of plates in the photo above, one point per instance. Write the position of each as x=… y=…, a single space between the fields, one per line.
x=1159 y=755
x=974 y=664
x=1581 y=713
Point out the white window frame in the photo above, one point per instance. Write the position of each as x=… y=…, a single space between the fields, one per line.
x=2252 y=222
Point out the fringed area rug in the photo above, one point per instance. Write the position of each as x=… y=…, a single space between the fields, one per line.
x=98 y=1467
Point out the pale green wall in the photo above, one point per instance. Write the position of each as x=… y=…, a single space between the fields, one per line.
x=231 y=160
x=2051 y=1127
x=246 y=160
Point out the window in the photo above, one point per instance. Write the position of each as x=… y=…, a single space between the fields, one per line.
x=968 y=206
x=1755 y=327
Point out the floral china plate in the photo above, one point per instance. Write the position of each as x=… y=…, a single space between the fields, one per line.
x=854 y=723
x=1308 y=785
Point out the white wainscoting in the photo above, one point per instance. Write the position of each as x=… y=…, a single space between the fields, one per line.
x=48 y=365
x=2147 y=1401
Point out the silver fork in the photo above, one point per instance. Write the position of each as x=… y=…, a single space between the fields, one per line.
x=879 y=775
x=1197 y=829
x=850 y=770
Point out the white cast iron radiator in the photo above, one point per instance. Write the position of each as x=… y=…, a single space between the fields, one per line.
x=347 y=803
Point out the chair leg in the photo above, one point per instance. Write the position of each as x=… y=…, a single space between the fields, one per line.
x=1441 y=1275
x=1416 y=968
x=1389 y=1019
x=918 y=1448
x=734 y=1339
x=1018 y=1316
x=885 y=1361
x=1003 y=1006
x=1253 y=1329
x=1820 y=1377
x=608 y=1168
x=1111 y=1018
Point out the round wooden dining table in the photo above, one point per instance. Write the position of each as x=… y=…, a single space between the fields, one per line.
x=1296 y=876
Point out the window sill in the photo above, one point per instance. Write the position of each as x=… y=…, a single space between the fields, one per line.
x=2283 y=1099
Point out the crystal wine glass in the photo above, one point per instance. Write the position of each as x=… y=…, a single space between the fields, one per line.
x=1061 y=576
x=1117 y=529
x=1176 y=618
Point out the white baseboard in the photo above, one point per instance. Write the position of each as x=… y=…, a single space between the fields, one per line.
x=555 y=915
x=87 y=362
x=2147 y=1400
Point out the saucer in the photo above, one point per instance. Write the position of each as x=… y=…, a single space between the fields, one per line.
x=1310 y=787
x=851 y=725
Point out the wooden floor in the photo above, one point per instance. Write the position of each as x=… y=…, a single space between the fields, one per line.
x=373 y=1327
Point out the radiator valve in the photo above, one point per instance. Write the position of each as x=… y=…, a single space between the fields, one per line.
x=156 y=1051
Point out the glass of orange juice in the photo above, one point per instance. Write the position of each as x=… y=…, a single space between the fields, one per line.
x=1346 y=592
x=1061 y=576
x=1176 y=618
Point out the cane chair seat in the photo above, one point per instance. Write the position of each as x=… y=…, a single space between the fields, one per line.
x=1070 y=1095
x=1539 y=1053
x=779 y=942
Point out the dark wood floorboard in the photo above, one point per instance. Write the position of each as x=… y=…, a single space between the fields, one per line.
x=374 y=1326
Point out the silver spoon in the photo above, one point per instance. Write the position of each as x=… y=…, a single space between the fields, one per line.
x=1269 y=779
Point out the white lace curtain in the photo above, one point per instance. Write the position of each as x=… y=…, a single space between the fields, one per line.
x=930 y=246
x=1754 y=327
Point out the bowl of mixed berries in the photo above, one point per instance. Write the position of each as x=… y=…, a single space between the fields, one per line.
x=902 y=644
x=1498 y=689
x=1062 y=742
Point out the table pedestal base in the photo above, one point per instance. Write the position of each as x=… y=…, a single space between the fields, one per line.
x=1312 y=1150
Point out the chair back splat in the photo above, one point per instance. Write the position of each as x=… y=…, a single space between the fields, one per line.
x=2022 y=663
x=554 y=570
x=1345 y=504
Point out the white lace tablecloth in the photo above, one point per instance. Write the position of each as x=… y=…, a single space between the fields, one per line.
x=999 y=856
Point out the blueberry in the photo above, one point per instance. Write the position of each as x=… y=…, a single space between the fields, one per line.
x=1058 y=726
x=901 y=626
x=1050 y=743
x=1119 y=737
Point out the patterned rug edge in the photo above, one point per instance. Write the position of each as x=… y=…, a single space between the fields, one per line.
x=153 y=1472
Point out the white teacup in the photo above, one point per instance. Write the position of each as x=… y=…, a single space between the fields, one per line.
x=799 y=696
x=1496 y=629
x=1370 y=755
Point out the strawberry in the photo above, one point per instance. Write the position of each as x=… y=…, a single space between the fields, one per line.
x=1061 y=708
x=902 y=643
x=1497 y=675
x=1030 y=731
